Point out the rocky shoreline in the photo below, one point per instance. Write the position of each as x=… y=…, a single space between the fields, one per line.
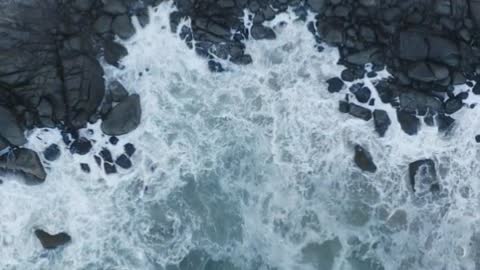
x=51 y=76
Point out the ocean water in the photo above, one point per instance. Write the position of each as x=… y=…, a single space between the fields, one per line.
x=249 y=169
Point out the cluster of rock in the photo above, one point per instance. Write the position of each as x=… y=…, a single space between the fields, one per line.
x=428 y=46
x=50 y=75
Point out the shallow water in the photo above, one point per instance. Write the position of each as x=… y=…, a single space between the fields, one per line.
x=247 y=169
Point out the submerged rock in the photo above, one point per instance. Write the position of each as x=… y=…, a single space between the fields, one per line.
x=364 y=160
x=50 y=241
x=423 y=175
x=26 y=163
x=124 y=117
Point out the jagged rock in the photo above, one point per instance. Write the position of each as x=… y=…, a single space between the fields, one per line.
x=408 y=122
x=122 y=26
x=381 y=121
x=124 y=117
x=106 y=155
x=52 y=152
x=10 y=130
x=364 y=160
x=423 y=175
x=50 y=241
x=25 y=163
x=360 y=112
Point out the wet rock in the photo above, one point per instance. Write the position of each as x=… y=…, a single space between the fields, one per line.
x=412 y=46
x=25 y=163
x=10 y=130
x=428 y=72
x=113 y=52
x=381 y=121
x=81 y=146
x=361 y=58
x=364 y=160
x=335 y=84
x=50 y=241
x=52 y=152
x=363 y=94
x=477 y=138
x=109 y=168
x=106 y=155
x=123 y=162
x=103 y=24
x=443 y=50
x=123 y=118
x=83 y=5
x=260 y=31
x=117 y=91
x=452 y=105
x=85 y=167
x=114 y=7
x=122 y=26
x=129 y=149
x=408 y=122
x=422 y=175
x=343 y=106
x=360 y=112
x=444 y=122
x=316 y=5
x=113 y=140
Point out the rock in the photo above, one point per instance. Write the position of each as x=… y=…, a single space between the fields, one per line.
x=124 y=117
x=113 y=52
x=444 y=122
x=49 y=241
x=343 y=106
x=10 y=130
x=428 y=72
x=113 y=140
x=335 y=85
x=109 y=168
x=475 y=11
x=25 y=163
x=381 y=121
x=408 y=122
x=361 y=58
x=83 y=5
x=364 y=160
x=106 y=155
x=363 y=94
x=114 y=7
x=260 y=31
x=360 y=112
x=52 y=152
x=85 y=167
x=443 y=50
x=123 y=161
x=129 y=149
x=103 y=24
x=422 y=175
x=477 y=138
x=81 y=146
x=452 y=105
x=117 y=91
x=122 y=26
x=316 y=5
x=412 y=46
x=413 y=101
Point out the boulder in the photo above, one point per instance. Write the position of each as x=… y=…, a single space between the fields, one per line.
x=52 y=152
x=423 y=175
x=11 y=130
x=364 y=160
x=443 y=50
x=408 y=122
x=124 y=117
x=123 y=161
x=316 y=5
x=260 y=31
x=360 y=112
x=122 y=26
x=335 y=85
x=50 y=241
x=81 y=146
x=129 y=149
x=381 y=121
x=412 y=46
x=113 y=52
x=25 y=163
x=117 y=91
x=453 y=105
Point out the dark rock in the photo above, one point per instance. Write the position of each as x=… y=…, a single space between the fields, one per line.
x=348 y=75
x=50 y=241
x=81 y=146
x=113 y=52
x=10 y=130
x=109 y=168
x=83 y=5
x=452 y=105
x=85 y=167
x=360 y=112
x=364 y=160
x=113 y=140
x=122 y=26
x=124 y=117
x=363 y=94
x=316 y=5
x=106 y=155
x=381 y=121
x=26 y=163
x=412 y=46
x=117 y=91
x=477 y=138
x=443 y=50
x=52 y=152
x=428 y=72
x=343 y=106
x=422 y=175
x=444 y=122
x=408 y=122
x=103 y=24
x=123 y=161
x=260 y=31
x=413 y=101
x=114 y=7
x=129 y=149
x=335 y=85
